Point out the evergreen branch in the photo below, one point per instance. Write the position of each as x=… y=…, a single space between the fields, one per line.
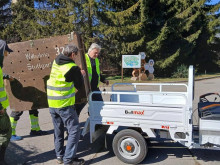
x=130 y=47
x=193 y=36
x=189 y=22
x=168 y=61
x=214 y=25
x=215 y=8
x=156 y=44
x=120 y=17
x=122 y=31
x=189 y=11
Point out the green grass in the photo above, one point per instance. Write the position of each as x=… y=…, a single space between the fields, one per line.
x=117 y=79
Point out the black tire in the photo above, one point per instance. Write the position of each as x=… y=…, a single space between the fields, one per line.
x=130 y=146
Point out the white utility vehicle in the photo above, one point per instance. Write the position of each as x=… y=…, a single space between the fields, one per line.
x=165 y=111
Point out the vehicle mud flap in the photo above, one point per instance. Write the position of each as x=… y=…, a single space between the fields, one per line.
x=96 y=130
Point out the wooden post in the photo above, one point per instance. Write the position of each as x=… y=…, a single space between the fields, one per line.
x=140 y=74
x=121 y=73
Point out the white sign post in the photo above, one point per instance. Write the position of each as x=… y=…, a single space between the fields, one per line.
x=130 y=61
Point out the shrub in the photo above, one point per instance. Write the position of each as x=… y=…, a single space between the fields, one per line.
x=181 y=72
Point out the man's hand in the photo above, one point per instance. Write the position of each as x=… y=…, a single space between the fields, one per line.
x=83 y=73
x=2 y=112
x=106 y=82
x=11 y=78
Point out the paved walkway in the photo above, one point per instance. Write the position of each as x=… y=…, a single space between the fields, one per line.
x=40 y=149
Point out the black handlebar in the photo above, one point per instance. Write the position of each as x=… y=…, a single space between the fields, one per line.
x=207 y=94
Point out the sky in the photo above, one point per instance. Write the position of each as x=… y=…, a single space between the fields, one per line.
x=214 y=2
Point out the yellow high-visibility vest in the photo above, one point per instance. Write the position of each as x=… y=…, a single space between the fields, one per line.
x=3 y=95
x=89 y=68
x=59 y=92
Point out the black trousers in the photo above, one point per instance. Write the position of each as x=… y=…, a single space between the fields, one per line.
x=79 y=108
x=96 y=97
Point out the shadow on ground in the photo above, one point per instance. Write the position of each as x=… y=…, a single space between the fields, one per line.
x=16 y=155
x=49 y=132
x=158 y=152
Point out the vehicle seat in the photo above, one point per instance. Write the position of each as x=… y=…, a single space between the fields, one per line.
x=209 y=110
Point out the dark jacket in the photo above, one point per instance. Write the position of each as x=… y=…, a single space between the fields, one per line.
x=74 y=74
x=95 y=77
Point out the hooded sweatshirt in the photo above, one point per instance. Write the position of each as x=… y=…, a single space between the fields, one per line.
x=74 y=74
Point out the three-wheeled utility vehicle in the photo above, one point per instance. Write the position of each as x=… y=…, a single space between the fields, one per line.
x=139 y=111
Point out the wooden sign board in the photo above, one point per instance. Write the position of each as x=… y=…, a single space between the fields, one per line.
x=30 y=64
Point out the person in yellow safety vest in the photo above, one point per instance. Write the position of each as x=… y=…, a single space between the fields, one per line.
x=65 y=76
x=95 y=76
x=5 y=126
x=93 y=68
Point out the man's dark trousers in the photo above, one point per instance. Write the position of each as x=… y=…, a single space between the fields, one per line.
x=65 y=117
x=97 y=97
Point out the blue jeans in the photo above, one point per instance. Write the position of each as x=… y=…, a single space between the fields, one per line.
x=65 y=117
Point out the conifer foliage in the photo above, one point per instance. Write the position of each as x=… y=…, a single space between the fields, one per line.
x=5 y=13
x=24 y=23
x=172 y=32
x=185 y=34
x=121 y=27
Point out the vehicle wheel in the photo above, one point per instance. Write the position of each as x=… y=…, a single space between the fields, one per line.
x=129 y=146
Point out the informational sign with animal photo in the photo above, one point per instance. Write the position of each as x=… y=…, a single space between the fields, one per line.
x=131 y=61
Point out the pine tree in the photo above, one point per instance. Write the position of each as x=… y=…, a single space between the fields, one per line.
x=120 y=27
x=58 y=17
x=43 y=18
x=24 y=25
x=39 y=19
x=5 y=14
x=172 y=32
x=184 y=34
